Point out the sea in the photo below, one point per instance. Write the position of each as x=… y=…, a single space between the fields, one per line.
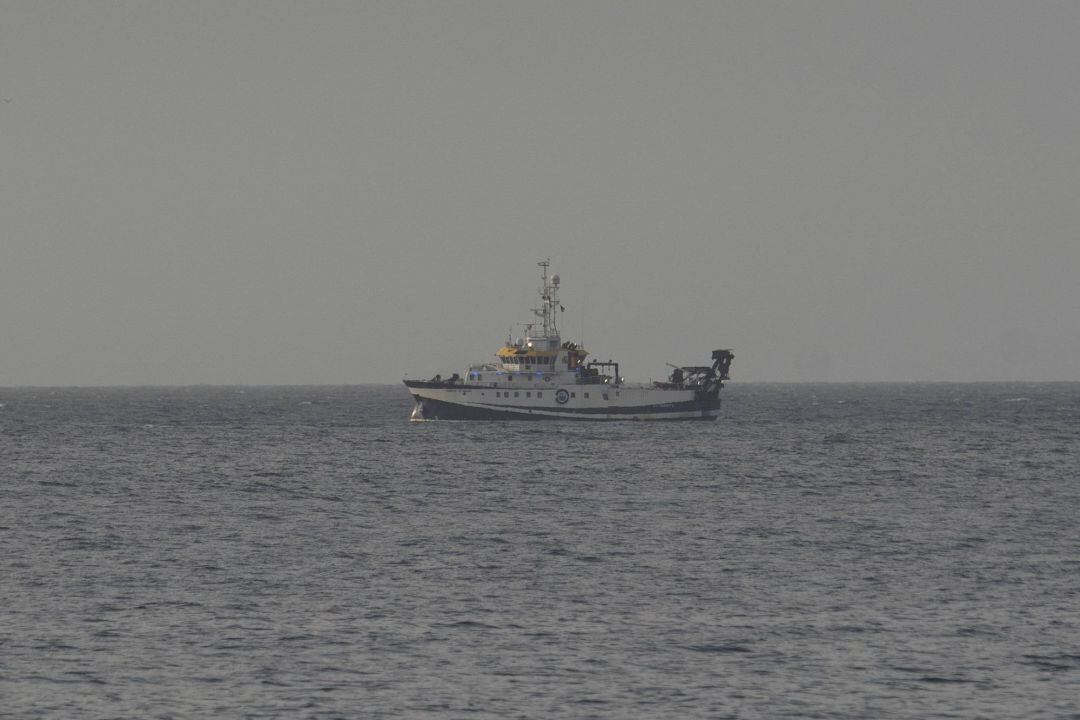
x=821 y=551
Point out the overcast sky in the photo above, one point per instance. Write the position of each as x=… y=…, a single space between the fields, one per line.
x=316 y=192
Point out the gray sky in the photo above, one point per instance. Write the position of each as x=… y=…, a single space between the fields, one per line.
x=285 y=192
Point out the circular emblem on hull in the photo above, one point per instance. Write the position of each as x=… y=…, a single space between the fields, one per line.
x=561 y=397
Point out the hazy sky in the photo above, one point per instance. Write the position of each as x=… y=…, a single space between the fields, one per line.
x=318 y=192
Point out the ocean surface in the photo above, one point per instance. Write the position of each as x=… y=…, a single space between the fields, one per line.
x=822 y=551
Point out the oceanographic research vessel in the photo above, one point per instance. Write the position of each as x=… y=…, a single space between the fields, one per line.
x=540 y=377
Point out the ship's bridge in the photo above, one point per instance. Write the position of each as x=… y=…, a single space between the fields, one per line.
x=525 y=355
x=527 y=358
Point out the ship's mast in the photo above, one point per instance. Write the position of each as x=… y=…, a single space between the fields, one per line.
x=549 y=292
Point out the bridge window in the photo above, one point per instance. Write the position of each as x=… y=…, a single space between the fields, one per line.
x=528 y=394
x=516 y=393
x=539 y=395
x=586 y=394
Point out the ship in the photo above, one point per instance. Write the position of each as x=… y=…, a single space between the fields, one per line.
x=541 y=377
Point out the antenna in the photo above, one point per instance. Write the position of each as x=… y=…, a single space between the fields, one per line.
x=549 y=292
x=581 y=337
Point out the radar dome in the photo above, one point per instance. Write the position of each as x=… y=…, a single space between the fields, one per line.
x=554 y=279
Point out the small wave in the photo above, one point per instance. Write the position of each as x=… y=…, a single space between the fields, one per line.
x=54 y=645
x=85 y=676
x=471 y=625
x=719 y=648
x=167 y=604
x=1054 y=663
x=943 y=680
x=933 y=679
